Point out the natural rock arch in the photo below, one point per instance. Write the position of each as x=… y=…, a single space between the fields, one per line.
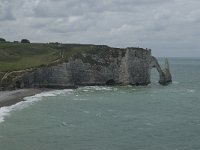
x=164 y=75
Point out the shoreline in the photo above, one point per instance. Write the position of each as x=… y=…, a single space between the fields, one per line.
x=8 y=98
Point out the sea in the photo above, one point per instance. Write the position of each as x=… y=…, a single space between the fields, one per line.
x=152 y=117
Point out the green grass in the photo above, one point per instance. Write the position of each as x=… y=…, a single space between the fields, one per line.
x=18 y=56
x=75 y=49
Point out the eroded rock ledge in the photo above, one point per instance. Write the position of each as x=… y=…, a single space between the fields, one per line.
x=104 y=66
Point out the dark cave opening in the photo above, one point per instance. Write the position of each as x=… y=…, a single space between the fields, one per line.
x=110 y=82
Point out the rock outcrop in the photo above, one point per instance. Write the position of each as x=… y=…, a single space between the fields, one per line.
x=104 y=66
x=165 y=75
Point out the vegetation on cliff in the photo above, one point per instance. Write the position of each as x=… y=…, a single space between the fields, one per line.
x=2 y=40
x=17 y=58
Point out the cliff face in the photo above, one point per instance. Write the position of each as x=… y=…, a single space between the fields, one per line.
x=106 y=66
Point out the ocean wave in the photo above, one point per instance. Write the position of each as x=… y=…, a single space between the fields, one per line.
x=5 y=111
x=97 y=88
x=86 y=111
x=80 y=99
x=190 y=90
x=175 y=82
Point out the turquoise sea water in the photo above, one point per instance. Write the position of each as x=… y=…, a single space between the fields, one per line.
x=110 y=118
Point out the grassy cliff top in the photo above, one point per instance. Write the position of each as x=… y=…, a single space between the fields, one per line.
x=19 y=56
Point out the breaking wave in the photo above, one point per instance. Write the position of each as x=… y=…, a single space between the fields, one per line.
x=5 y=111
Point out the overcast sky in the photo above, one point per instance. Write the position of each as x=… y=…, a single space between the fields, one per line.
x=168 y=27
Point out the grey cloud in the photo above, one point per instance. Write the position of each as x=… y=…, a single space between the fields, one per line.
x=6 y=11
x=169 y=27
x=63 y=8
x=71 y=24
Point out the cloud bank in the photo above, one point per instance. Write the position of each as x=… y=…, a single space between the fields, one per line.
x=169 y=28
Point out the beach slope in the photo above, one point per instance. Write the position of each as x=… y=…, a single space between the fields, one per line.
x=8 y=98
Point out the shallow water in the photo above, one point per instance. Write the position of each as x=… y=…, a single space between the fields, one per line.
x=110 y=118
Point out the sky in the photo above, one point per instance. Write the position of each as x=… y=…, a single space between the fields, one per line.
x=170 y=28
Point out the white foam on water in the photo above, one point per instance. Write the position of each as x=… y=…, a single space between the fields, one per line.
x=149 y=124
x=85 y=90
x=175 y=82
x=115 y=89
x=97 y=88
x=64 y=123
x=99 y=114
x=129 y=86
x=191 y=90
x=86 y=111
x=67 y=124
x=5 y=111
x=80 y=99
